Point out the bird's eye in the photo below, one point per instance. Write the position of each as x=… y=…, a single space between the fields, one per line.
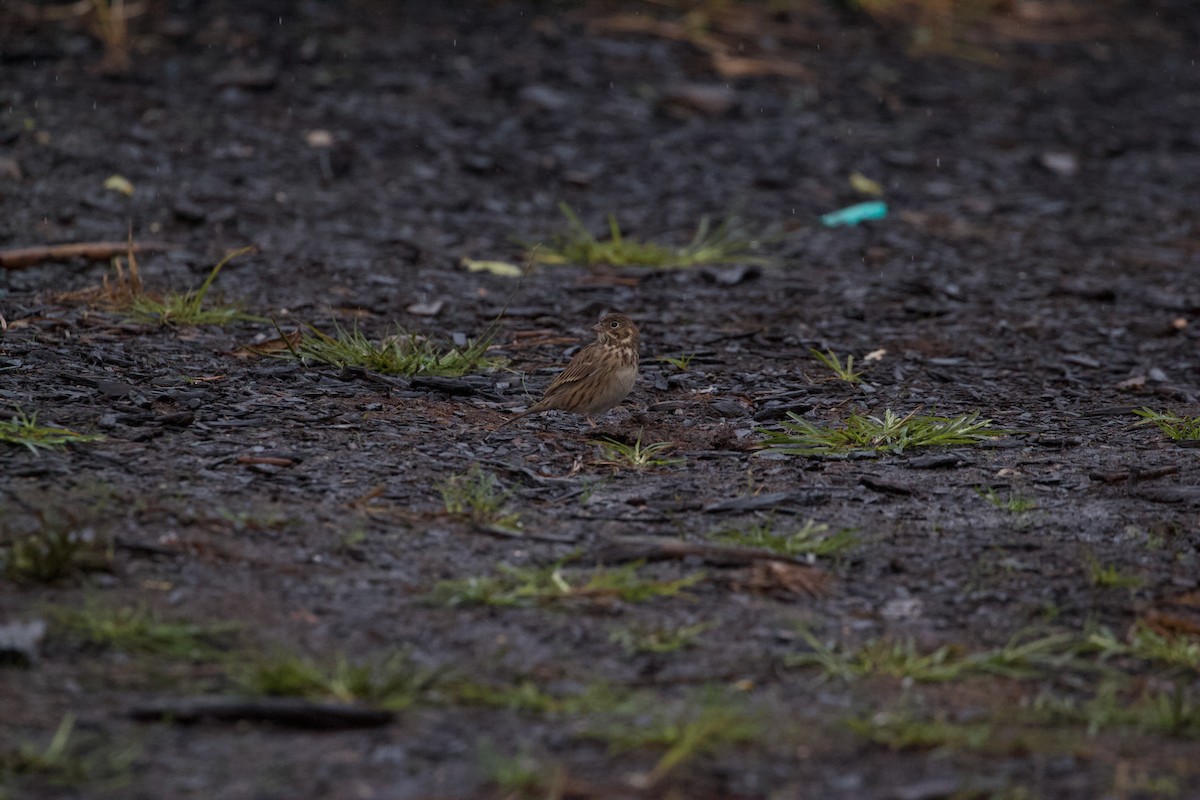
x=614 y=325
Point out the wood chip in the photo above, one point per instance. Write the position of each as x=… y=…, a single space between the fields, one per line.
x=783 y=578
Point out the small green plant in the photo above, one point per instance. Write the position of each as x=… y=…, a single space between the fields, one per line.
x=67 y=759
x=879 y=657
x=526 y=586
x=680 y=362
x=393 y=683
x=521 y=776
x=260 y=519
x=523 y=695
x=889 y=433
x=1170 y=710
x=1018 y=659
x=57 y=549
x=403 y=353
x=22 y=430
x=526 y=695
x=1175 y=427
x=188 y=308
x=1109 y=576
x=843 y=371
x=811 y=538
x=1172 y=651
x=636 y=455
x=349 y=541
x=52 y=760
x=1014 y=503
x=902 y=732
x=656 y=639
x=684 y=732
x=137 y=630
x=717 y=245
x=479 y=497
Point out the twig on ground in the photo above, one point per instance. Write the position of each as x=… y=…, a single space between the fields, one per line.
x=25 y=257
x=288 y=711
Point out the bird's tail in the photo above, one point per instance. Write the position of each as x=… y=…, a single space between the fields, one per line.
x=516 y=417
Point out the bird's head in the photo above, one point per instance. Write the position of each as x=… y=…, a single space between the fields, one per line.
x=616 y=329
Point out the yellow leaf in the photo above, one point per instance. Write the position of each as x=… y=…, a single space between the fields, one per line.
x=864 y=185
x=495 y=267
x=119 y=183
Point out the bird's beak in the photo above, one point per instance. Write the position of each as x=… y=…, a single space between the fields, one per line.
x=597 y=327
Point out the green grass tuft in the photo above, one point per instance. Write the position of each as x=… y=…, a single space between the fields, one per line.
x=1176 y=428
x=22 y=430
x=812 y=538
x=1020 y=658
x=868 y=434
x=56 y=550
x=901 y=732
x=392 y=683
x=526 y=695
x=189 y=308
x=68 y=759
x=1170 y=710
x=1110 y=576
x=680 y=362
x=636 y=455
x=1014 y=503
x=843 y=371
x=403 y=353
x=478 y=497
x=1172 y=651
x=527 y=586
x=657 y=639
x=719 y=245
x=137 y=630
x=685 y=732
x=521 y=776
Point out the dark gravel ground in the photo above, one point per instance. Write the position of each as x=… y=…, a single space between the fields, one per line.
x=1038 y=266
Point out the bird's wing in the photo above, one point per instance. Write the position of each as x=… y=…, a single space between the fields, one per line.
x=586 y=362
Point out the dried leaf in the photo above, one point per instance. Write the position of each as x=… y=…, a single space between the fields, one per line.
x=732 y=67
x=781 y=577
x=430 y=309
x=874 y=355
x=864 y=185
x=120 y=184
x=318 y=138
x=502 y=268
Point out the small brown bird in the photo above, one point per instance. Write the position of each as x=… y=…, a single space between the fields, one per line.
x=598 y=377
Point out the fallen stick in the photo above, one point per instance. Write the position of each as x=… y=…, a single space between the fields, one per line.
x=25 y=257
x=290 y=712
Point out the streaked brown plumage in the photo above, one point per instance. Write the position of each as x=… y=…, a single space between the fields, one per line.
x=598 y=377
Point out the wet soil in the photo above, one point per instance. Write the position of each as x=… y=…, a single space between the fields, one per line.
x=1038 y=266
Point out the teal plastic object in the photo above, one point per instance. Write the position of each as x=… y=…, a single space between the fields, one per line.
x=852 y=215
